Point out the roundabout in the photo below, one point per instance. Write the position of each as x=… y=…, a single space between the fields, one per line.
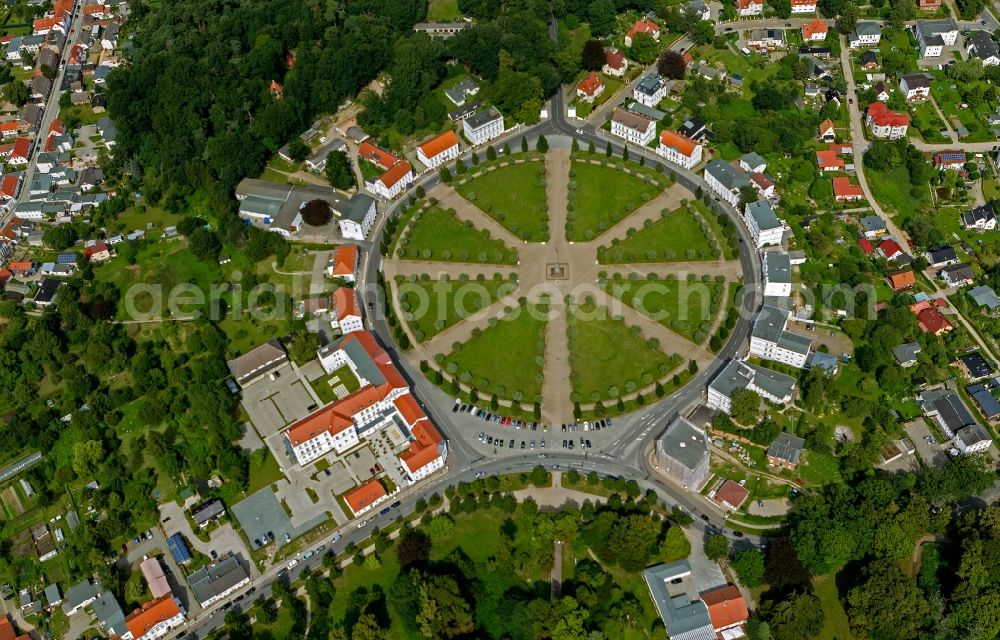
x=562 y=286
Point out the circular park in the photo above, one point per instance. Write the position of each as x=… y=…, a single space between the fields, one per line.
x=560 y=285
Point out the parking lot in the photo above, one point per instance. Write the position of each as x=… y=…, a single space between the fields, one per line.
x=261 y=514
x=932 y=454
x=274 y=404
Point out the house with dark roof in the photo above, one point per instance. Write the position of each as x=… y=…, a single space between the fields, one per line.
x=214 y=582
x=940 y=256
x=981 y=46
x=958 y=275
x=981 y=218
x=207 y=511
x=785 y=451
x=974 y=366
x=682 y=611
x=682 y=453
x=982 y=395
x=906 y=353
x=947 y=409
x=258 y=362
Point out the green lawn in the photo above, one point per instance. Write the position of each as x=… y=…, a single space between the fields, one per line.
x=602 y=196
x=431 y=307
x=506 y=359
x=892 y=190
x=443 y=11
x=685 y=308
x=819 y=469
x=438 y=235
x=607 y=359
x=264 y=472
x=676 y=236
x=835 y=626
x=344 y=376
x=514 y=196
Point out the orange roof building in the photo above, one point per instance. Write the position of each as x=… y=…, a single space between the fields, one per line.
x=381 y=157
x=344 y=264
x=590 y=87
x=726 y=608
x=902 y=281
x=814 y=31
x=679 y=149
x=276 y=89
x=398 y=172
x=439 y=149
x=10 y=186
x=365 y=496
x=7 y=631
x=648 y=27
x=828 y=160
x=155 y=617
x=845 y=191
x=383 y=399
x=347 y=310
x=731 y=495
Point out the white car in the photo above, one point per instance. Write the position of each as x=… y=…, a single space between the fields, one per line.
x=291 y=565
x=362 y=523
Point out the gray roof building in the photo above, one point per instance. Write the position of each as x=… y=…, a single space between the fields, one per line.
x=52 y=595
x=484 y=117
x=787 y=448
x=770 y=326
x=906 y=353
x=928 y=29
x=257 y=362
x=682 y=451
x=683 y=613
x=872 y=224
x=981 y=45
x=79 y=595
x=763 y=215
x=213 y=582
x=985 y=400
x=650 y=84
x=208 y=511
x=460 y=91
x=984 y=296
x=741 y=375
x=972 y=435
x=868 y=29
x=779 y=266
x=109 y=614
x=643 y=110
x=729 y=176
x=948 y=409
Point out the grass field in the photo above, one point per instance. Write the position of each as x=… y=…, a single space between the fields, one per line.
x=835 y=626
x=506 y=359
x=606 y=356
x=345 y=377
x=443 y=11
x=892 y=190
x=514 y=196
x=431 y=307
x=439 y=235
x=678 y=236
x=602 y=197
x=685 y=308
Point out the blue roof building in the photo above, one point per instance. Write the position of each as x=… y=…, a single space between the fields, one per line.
x=178 y=549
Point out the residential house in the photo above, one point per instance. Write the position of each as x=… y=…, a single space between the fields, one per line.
x=947 y=409
x=461 y=92
x=752 y=163
x=79 y=596
x=934 y=35
x=344 y=263
x=647 y=27
x=827 y=133
x=615 y=63
x=981 y=218
x=906 y=353
x=763 y=184
x=109 y=614
x=442 y=30
x=365 y=497
x=881 y=92
x=730 y=496
x=44 y=296
x=725 y=180
x=108 y=130
x=865 y=34
x=814 y=31
x=633 y=127
x=915 y=86
x=868 y=60
x=885 y=123
x=684 y=615
x=889 y=249
x=21 y=153
x=154 y=619
x=397 y=173
x=845 y=191
x=777 y=271
x=590 y=87
x=940 y=256
x=786 y=451
x=749 y=8
x=347 y=311
x=217 y=581
x=984 y=296
x=208 y=511
x=679 y=149
x=972 y=439
x=727 y=609
x=483 y=126
x=317 y=161
x=828 y=160
x=954 y=160
x=803 y=6
x=929 y=5
x=770 y=385
x=698 y=9
x=981 y=46
x=650 y=91
x=958 y=275
x=156 y=580
x=764 y=226
x=769 y=339
x=766 y=39
x=974 y=366
x=439 y=150
x=695 y=128
x=901 y=281
x=98 y=252
x=682 y=453
x=931 y=320
x=982 y=396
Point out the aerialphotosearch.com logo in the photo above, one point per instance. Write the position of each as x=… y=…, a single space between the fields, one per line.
x=667 y=301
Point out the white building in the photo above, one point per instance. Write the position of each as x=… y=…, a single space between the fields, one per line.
x=439 y=150
x=678 y=149
x=154 y=620
x=213 y=583
x=765 y=228
x=865 y=34
x=356 y=220
x=749 y=8
x=980 y=45
x=393 y=181
x=770 y=341
x=770 y=385
x=981 y=218
x=885 y=123
x=483 y=126
x=633 y=127
x=934 y=35
x=972 y=439
x=915 y=86
x=725 y=180
x=650 y=91
x=777 y=271
x=803 y=6
x=347 y=311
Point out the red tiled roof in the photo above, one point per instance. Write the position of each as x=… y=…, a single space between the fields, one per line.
x=408 y=407
x=842 y=187
x=276 y=87
x=345 y=260
x=726 y=606
x=683 y=144
x=10 y=185
x=57 y=126
x=904 y=280
x=889 y=248
x=95 y=248
x=883 y=116
x=803 y=3
x=643 y=26
x=614 y=58
x=761 y=180
x=425 y=449
x=590 y=84
x=931 y=320
x=826 y=125
x=439 y=144
x=381 y=157
x=22 y=147
x=809 y=29
x=8 y=127
x=866 y=246
x=345 y=301
x=5 y=275
x=745 y=4
x=364 y=495
x=152 y=613
x=395 y=173
x=732 y=493
x=21 y=267
x=828 y=159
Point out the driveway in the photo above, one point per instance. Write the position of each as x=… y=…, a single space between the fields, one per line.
x=933 y=455
x=223 y=539
x=158 y=547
